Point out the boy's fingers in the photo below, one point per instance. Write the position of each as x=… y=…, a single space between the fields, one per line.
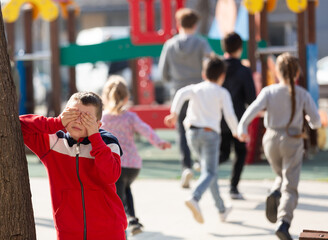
x=72 y=109
x=89 y=117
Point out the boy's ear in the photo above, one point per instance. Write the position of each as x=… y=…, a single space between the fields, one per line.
x=221 y=79
x=203 y=74
x=99 y=123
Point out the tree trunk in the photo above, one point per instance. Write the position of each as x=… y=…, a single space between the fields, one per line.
x=16 y=212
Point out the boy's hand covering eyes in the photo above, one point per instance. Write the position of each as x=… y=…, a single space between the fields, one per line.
x=68 y=115
x=90 y=123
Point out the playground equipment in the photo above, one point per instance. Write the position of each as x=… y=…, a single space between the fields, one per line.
x=146 y=42
x=48 y=10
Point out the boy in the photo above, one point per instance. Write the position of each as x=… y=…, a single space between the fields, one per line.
x=181 y=64
x=83 y=164
x=239 y=83
x=207 y=101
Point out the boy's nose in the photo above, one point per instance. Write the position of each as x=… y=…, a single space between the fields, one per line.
x=78 y=120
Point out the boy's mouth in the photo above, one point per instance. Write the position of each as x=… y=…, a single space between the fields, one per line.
x=77 y=128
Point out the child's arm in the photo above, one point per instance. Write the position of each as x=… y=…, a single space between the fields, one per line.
x=311 y=110
x=182 y=95
x=35 y=131
x=145 y=130
x=107 y=155
x=179 y=99
x=251 y=112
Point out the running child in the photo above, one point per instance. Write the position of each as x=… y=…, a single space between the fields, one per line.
x=207 y=101
x=285 y=105
x=124 y=124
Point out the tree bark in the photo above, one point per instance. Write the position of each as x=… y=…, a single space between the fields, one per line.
x=16 y=212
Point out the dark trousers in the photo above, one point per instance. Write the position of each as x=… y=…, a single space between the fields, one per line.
x=240 y=151
x=182 y=141
x=123 y=189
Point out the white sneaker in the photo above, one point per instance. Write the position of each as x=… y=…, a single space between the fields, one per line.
x=196 y=167
x=194 y=207
x=223 y=215
x=186 y=177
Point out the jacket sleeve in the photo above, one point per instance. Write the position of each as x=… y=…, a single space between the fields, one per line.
x=107 y=158
x=36 y=130
x=182 y=95
x=312 y=111
x=145 y=130
x=258 y=105
x=163 y=64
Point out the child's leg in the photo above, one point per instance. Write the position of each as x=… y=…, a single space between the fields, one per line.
x=277 y=184
x=134 y=226
x=292 y=150
x=238 y=165
x=214 y=187
x=225 y=147
x=182 y=141
x=271 y=146
x=131 y=174
x=209 y=146
x=120 y=187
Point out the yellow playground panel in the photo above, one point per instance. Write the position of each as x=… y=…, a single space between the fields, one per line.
x=46 y=8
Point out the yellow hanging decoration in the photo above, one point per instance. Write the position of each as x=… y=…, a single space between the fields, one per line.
x=271 y=5
x=297 y=6
x=253 y=6
x=47 y=9
x=64 y=4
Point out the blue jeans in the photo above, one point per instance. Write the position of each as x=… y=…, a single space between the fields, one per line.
x=206 y=144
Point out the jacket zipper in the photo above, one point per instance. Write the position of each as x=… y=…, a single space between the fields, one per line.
x=82 y=191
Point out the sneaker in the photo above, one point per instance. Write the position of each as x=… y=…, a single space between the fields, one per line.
x=192 y=204
x=186 y=177
x=235 y=194
x=272 y=203
x=282 y=231
x=134 y=226
x=196 y=166
x=223 y=215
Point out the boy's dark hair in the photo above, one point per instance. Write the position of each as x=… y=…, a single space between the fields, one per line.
x=88 y=98
x=231 y=42
x=186 y=17
x=214 y=67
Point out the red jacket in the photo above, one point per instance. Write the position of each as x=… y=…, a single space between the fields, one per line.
x=82 y=179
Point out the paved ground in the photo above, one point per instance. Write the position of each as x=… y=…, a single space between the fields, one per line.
x=159 y=205
x=159 y=200
x=159 y=164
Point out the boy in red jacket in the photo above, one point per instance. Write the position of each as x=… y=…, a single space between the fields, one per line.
x=83 y=164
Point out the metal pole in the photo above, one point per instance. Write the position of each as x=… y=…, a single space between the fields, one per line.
x=55 y=74
x=71 y=39
x=311 y=22
x=251 y=42
x=264 y=36
x=302 y=47
x=28 y=64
